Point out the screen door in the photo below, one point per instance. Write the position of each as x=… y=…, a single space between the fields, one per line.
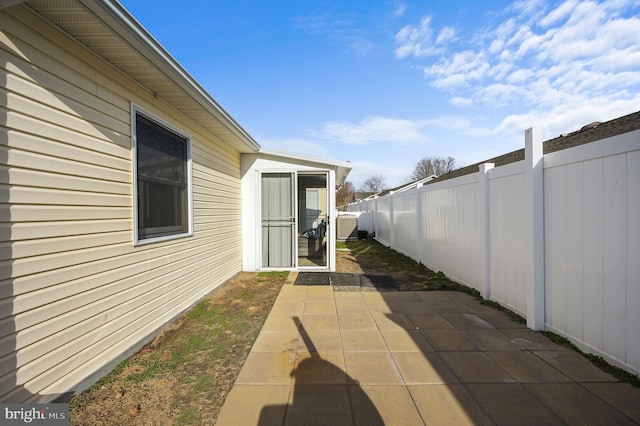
x=278 y=220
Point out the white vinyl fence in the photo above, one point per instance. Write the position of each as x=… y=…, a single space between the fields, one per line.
x=555 y=238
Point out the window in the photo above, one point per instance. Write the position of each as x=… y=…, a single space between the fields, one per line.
x=162 y=181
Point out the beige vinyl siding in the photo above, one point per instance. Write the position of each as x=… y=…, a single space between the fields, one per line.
x=75 y=294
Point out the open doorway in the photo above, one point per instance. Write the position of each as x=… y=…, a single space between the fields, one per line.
x=313 y=219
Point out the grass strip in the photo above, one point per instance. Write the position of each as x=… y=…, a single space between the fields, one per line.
x=183 y=376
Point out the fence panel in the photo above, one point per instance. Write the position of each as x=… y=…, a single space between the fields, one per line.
x=478 y=229
x=383 y=220
x=451 y=231
x=405 y=232
x=509 y=270
x=592 y=247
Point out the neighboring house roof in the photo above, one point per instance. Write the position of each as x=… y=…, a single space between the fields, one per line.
x=342 y=168
x=406 y=186
x=589 y=133
x=363 y=195
x=109 y=31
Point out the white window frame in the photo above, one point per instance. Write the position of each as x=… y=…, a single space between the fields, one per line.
x=135 y=111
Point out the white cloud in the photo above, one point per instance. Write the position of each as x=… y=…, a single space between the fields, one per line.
x=299 y=146
x=340 y=28
x=458 y=69
x=399 y=10
x=558 y=14
x=519 y=76
x=446 y=34
x=460 y=125
x=360 y=46
x=375 y=130
x=571 y=116
x=498 y=95
x=529 y=7
x=461 y=102
x=537 y=57
x=324 y=24
x=418 y=40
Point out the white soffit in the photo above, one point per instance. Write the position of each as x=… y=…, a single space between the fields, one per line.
x=342 y=168
x=107 y=29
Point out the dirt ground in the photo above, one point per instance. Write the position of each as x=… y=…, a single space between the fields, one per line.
x=184 y=374
x=346 y=262
x=369 y=257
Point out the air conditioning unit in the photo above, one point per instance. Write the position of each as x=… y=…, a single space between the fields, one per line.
x=347 y=227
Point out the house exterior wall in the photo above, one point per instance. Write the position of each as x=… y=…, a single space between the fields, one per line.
x=76 y=295
x=253 y=165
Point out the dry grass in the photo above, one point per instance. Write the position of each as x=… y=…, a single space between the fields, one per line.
x=184 y=375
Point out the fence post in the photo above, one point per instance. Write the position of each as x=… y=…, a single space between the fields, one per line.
x=419 y=221
x=535 y=227
x=375 y=216
x=392 y=237
x=484 y=219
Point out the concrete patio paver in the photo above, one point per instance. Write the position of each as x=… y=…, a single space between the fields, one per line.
x=575 y=366
x=418 y=368
x=371 y=368
x=576 y=405
x=347 y=358
x=448 y=405
x=405 y=341
x=448 y=340
x=356 y=321
x=512 y=404
x=476 y=367
x=320 y=368
x=268 y=405
x=319 y=405
x=362 y=340
x=491 y=340
x=525 y=367
x=429 y=321
x=383 y=405
x=268 y=368
x=623 y=396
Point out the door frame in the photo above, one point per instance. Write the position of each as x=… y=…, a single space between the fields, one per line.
x=327 y=206
x=258 y=226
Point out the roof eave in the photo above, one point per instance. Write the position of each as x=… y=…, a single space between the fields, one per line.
x=125 y=26
x=342 y=168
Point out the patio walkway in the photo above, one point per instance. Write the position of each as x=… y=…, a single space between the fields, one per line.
x=413 y=358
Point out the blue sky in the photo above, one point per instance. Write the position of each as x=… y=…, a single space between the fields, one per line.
x=385 y=83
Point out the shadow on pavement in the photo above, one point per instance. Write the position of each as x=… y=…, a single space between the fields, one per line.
x=320 y=395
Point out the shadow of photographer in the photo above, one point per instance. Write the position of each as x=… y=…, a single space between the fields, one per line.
x=322 y=393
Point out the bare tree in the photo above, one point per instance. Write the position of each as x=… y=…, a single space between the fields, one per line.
x=345 y=194
x=429 y=166
x=373 y=184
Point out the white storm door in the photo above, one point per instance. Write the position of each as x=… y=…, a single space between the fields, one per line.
x=278 y=220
